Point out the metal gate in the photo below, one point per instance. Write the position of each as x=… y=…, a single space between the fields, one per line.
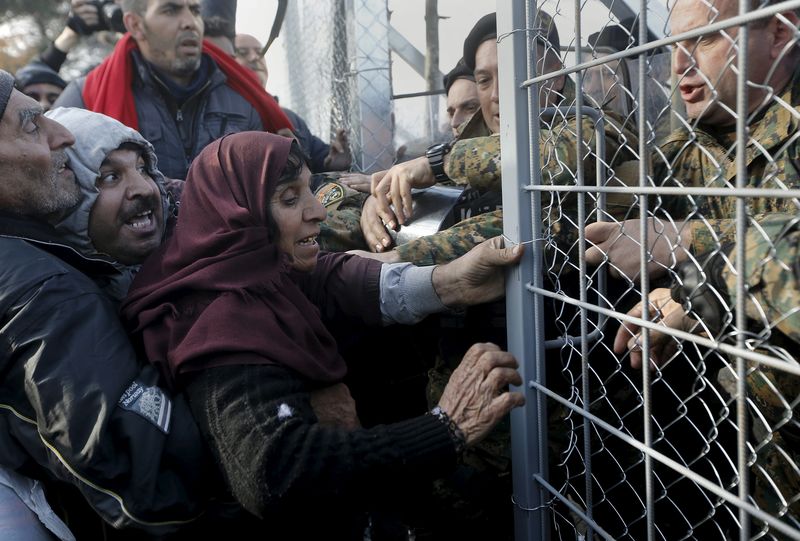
x=702 y=444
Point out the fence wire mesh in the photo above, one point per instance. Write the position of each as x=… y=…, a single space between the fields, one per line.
x=691 y=271
x=343 y=72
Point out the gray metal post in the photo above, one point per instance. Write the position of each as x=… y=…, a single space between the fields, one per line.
x=521 y=224
x=742 y=180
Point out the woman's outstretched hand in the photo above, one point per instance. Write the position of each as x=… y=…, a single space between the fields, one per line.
x=476 y=398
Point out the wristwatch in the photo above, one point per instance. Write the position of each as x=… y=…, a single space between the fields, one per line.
x=435 y=155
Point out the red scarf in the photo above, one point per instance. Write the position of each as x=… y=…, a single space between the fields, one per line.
x=108 y=87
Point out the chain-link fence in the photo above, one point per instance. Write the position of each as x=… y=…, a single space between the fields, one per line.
x=344 y=59
x=339 y=64
x=666 y=239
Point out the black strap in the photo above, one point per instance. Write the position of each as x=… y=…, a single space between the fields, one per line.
x=280 y=15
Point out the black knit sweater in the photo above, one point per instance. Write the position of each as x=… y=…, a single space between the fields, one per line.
x=280 y=463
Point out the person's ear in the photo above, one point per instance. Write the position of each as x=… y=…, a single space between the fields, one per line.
x=784 y=29
x=133 y=24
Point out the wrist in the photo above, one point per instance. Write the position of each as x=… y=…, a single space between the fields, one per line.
x=66 y=40
x=686 y=239
x=444 y=287
x=458 y=437
x=436 y=157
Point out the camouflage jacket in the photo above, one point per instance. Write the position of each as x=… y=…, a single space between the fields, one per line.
x=475 y=160
x=702 y=158
x=772 y=276
x=772 y=282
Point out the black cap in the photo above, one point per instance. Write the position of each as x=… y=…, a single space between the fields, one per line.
x=619 y=37
x=461 y=71
x=486 y=28
x=6 y=87
x=38 y=72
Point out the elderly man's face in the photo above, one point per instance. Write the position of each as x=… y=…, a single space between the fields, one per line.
x=33 y=166
x=127 y=218
x=248 y=54
x=462 y=102
x=707 y=66
x=170 y=36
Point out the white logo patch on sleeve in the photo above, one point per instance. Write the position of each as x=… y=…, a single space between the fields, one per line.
x=284 y=411
x=148 y=402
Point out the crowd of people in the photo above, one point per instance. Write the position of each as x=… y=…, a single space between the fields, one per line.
x=187 y=270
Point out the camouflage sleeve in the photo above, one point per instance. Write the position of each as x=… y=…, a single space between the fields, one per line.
x=454 y=242
x=772 y=270
x=475 y=162
x=709 y=234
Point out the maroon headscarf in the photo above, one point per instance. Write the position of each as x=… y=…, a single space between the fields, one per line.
x=219 y=292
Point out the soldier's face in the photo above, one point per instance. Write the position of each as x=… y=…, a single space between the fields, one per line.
x=604 y=83
x=36 y=181
x=707 y=65
x=127 y=218
x=486 y=79
x=462 y=102
x=170 y=36
x=297 y=213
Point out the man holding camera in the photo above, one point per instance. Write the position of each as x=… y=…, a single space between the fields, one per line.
x=177 y=90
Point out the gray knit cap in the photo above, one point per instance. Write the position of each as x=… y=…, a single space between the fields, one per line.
x=6 y=86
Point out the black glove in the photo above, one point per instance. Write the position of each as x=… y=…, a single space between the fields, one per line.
x=702 y=292
x=111 y=15
x=76 y=23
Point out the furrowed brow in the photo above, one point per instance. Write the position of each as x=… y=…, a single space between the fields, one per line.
x=30 y=113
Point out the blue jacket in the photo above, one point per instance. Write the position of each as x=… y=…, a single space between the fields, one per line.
x=179 y=134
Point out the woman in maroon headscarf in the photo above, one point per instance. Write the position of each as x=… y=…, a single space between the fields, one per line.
x=229 y=309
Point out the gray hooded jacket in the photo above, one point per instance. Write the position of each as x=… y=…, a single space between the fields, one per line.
x=85 y=158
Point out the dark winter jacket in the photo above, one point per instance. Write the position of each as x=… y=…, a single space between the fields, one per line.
x=75 y=403
x=179 y=133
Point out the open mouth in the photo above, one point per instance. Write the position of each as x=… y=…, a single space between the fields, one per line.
x=308 y=241
x=690 y=93
x=143 y=220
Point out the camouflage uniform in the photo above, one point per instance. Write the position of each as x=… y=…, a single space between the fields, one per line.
x=475 y=160
x=341 y=230
x=704 y=158
x=772 y=282
x=701 y=159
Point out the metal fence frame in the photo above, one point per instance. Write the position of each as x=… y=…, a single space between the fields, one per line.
x=522 y=192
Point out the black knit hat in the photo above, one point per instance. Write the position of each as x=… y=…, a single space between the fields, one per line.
x=461 y=71
x=6 y=87
x=38 y=72
x=486 y=28
x=619 y=37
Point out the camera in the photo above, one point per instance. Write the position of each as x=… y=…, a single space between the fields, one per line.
x=109 y=16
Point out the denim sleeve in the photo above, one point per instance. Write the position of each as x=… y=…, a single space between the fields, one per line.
x=407 y=293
